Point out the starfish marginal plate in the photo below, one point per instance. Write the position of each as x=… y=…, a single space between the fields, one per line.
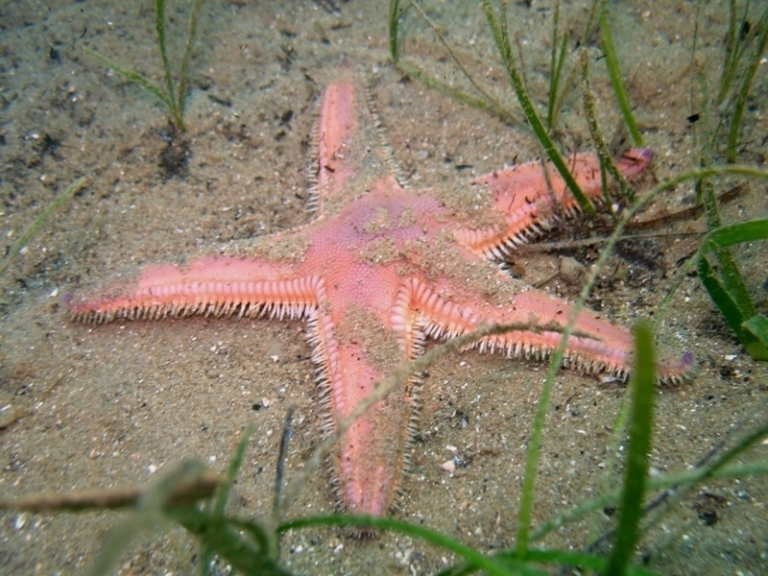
x=380 y=270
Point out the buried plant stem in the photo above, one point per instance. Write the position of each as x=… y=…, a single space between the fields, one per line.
x=186 y=491
x=282 y=455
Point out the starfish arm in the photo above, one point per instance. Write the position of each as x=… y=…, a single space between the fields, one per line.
x=531 y=202
x=352 y=155
x=596 y=346
x=214 y=286
x=338 y=123
x=372 y=455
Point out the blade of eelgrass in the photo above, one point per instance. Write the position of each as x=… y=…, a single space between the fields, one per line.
x=532 y=457
x=709 y=467
x=394 y=27
x=758 y=327
x=606 y=162
x=565 y=559
x=218 y=506
x=183 y=85
x=500 y=33
x=724 y=300
x=456 y=94
x=160 y=26
x=696 y=475
x=469 y=554
x=734 y=49
x=556 y=62
x=749 y=76
x=174 y=100
x=730 y=310
x=731 y=297
x=506 y=563
x=726 y=288
x=227 y=538
x=132 y=76
x=280 y=471
x=38 y=222
x=568 y=558
x=593 y=20
x=640 y=432
x=729 y=271
x=612 y=63
x=731 y=43
x=729 y=286
x=234 y=467
x=148 y=516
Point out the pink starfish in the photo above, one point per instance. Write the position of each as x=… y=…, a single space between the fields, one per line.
x=379 y=271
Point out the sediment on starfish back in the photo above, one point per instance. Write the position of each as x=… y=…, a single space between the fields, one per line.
x=381 y=270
